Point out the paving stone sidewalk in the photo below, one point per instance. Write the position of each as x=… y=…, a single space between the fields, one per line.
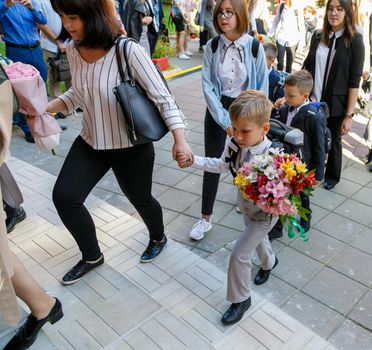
x=176 y=302
x=325 y=283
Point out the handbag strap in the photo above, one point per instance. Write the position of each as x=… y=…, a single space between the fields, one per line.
x=118 y=59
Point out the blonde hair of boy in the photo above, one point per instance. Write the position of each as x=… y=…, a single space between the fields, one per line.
x=302 y=79
x=252 y=106
x=271 y=51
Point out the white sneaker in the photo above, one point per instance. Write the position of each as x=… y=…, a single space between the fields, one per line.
x=188 y=53
x=201 y=227
x=183 y=56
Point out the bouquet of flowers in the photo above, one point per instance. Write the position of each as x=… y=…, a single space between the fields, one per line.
x=33 y=100
x=274 y=181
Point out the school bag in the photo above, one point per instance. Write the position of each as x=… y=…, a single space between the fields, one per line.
x=255 y=45
x=279 y=87
x=322 y=108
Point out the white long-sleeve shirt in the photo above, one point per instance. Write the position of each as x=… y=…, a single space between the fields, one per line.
x=92 y=85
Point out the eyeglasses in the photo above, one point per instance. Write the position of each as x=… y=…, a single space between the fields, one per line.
x=337 y=9
x=226 y=14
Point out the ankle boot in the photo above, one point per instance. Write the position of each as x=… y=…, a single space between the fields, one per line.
x=27 y=334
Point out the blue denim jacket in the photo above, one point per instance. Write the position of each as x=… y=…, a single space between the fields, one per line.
x=258 y=78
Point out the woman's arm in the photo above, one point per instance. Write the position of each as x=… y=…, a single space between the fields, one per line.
x=57 y=105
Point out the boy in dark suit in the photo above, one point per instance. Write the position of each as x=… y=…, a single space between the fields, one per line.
x=301 y=114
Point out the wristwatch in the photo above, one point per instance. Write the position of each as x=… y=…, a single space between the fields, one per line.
x=350 y=115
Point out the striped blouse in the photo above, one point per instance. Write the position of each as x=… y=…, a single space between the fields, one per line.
x=103 y=124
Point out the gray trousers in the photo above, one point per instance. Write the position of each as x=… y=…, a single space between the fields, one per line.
x=254 y=238
x=12 y=195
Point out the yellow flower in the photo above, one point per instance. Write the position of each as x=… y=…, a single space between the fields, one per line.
x=288 y=168
x=301 y=167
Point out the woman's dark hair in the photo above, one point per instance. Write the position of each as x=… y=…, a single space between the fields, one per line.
x=101 y=27
x=350 y=29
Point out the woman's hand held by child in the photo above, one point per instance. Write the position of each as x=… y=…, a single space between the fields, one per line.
x=183 y=160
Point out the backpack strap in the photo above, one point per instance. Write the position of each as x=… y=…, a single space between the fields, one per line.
x=281 y=8
x=255 y=45
x=214 y=44
x=233 y=150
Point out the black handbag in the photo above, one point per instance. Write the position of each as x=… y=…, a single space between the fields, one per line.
x=143 y=120
x=60 y=67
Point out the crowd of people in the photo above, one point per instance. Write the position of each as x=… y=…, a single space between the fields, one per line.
x=243 y=88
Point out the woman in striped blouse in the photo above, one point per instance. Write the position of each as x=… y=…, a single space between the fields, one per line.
x=103 y=143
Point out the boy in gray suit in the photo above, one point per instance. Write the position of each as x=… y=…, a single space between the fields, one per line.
x=250 y=119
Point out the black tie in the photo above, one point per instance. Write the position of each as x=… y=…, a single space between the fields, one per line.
x=327 y=63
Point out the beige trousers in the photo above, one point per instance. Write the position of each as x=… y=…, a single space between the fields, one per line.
x=254 y=238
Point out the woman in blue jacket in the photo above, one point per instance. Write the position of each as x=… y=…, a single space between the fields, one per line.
x=233 y=62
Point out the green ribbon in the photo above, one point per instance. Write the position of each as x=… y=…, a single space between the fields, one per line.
x=295 y=228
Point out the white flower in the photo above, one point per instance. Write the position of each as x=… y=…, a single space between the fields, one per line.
x=252 y=177
x=271 y=172
x=275 y=151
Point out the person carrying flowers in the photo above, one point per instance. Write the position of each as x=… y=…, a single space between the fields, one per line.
x=250 y=120
x=270 y=184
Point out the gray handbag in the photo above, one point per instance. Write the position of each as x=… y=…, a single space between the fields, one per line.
x=143 y=120
x=60 y=67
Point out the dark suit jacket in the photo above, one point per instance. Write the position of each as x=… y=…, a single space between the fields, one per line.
x=313 y=127
x=346 y=71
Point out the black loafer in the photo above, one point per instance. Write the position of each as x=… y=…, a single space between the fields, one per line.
x=328 y=185
x=79 y=270
x=29 y=138
x=235 y=312
x=263 y=275
x=27 y=334
x=11 y=221
x=153 y=250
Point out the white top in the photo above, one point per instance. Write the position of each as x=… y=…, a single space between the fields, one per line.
x=320 y=65
x=287 y=27
x=92 y=84
x=219 y=165
x=259 y=11
x=233 y=70
x=55 y=24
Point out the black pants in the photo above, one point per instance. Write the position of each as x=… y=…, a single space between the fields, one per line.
x=82 y=170
x=334 y=160
x=214 y=144
x=290 y=52
x=203 y=38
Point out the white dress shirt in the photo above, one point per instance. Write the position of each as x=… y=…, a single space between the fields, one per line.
x=219 y=165
x=233 y=70
x=320 y=65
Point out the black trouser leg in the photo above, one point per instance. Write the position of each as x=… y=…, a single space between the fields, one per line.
x=280 y=56
x=214 y=144
x=334 y=160
x=290 y=53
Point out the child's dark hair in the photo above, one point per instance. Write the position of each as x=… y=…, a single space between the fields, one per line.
x=302 y=79
x=271 y=51
x=253 y=106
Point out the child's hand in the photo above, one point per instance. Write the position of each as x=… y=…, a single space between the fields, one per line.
x=183 y=160
x=279 y=103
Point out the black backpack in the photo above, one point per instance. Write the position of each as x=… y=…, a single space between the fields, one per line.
x=255 y=45
x=322 y=108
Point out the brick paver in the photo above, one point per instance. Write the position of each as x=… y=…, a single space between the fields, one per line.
x=176 y=302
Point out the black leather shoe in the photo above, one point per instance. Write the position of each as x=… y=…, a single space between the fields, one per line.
x=153 y=250
x=235 y=312
x=18 y=216
x=27 y=334
x=60 y=115
x=329 y=185
x=29 y=138
x=79 y=270
x=263 y=275
x=306 y=224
